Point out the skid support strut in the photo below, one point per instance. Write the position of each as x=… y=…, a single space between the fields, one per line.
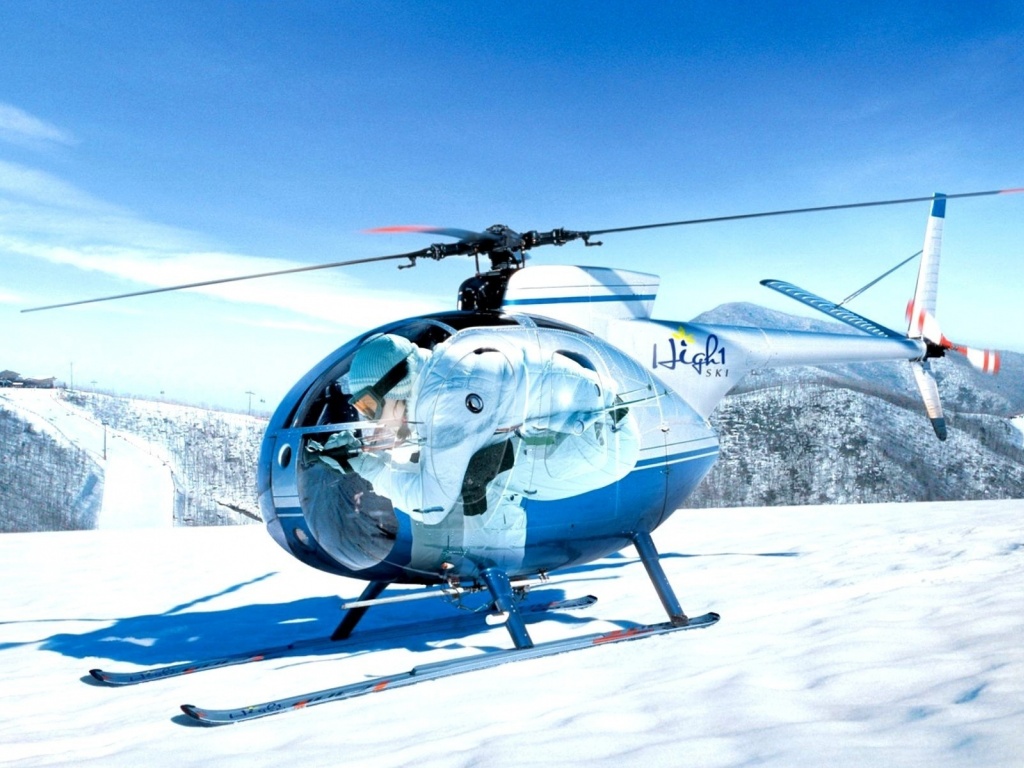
x=505 y=603
x=353 y=615
x=649 y=556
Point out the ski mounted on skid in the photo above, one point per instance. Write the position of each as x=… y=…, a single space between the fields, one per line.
x=498 y=584
x=436 y=670
x=504 y=602
x=117 y=679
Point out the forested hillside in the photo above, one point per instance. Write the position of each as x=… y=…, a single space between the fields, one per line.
x=858 y=433
x=45 y=485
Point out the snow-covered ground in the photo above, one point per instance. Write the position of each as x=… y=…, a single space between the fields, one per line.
x=138 y=490
x=853 y=635
x=1018 y=422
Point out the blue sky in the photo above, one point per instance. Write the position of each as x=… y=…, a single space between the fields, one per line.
x=146 y=144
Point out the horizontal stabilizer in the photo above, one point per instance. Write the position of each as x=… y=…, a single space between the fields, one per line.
x=832 y=309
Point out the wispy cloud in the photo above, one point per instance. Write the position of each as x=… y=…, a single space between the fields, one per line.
x=46 y=218
x=334 y=297
x=19 y=127
x=293 y=325
x=6 y=297
x=21 y=184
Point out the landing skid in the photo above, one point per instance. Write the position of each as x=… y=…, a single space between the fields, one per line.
x=319 y=644
x=437 y=670
x=504 y=605
x=504 y=602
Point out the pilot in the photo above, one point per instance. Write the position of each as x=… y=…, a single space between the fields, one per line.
x=424 y=448
x=461 y=427
x=381 y=380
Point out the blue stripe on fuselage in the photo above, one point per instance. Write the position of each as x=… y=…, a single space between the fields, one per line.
x=582 y=528
x=661 y=461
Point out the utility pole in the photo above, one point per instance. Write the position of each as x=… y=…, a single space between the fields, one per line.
x=250 y=393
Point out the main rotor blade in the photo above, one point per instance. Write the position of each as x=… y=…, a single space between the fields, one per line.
x=815 y=209
x=311 y=268
x=485 y=242
x=458 y=234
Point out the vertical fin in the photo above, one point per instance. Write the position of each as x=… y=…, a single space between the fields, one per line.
x=921 y=310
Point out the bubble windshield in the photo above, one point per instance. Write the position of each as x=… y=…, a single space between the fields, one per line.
x=467 y=426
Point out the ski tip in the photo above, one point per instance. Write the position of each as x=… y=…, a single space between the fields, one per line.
x=193 y=717
x=705 y=620
x=115 y=679
x=192 y=711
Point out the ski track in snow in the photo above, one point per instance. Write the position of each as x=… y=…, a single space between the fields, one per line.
x=850 y=636
x=138 y=490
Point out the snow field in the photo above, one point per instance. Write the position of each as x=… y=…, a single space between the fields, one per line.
x=853 y=635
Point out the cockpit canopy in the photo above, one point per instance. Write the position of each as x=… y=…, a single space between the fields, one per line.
x=327 y=402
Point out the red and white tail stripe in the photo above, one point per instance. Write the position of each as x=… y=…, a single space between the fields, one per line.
x=922 y=323
x=985 y=360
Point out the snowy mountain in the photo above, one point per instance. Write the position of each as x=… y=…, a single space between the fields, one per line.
x=212 y=454
x=858 y=433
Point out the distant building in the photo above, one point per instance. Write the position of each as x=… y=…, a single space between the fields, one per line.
x=15 y=379
x=39 y=383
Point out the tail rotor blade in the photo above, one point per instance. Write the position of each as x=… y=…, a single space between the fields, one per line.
x=985 y=360
x=930 y=394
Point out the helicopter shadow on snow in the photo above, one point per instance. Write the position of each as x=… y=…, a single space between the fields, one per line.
x=182 y=634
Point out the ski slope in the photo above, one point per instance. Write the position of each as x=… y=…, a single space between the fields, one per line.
x=138 y=490
x=850 y=636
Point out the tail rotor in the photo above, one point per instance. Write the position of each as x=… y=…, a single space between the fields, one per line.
x=922 y=322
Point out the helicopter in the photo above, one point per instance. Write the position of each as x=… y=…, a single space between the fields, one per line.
x=546 y=422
